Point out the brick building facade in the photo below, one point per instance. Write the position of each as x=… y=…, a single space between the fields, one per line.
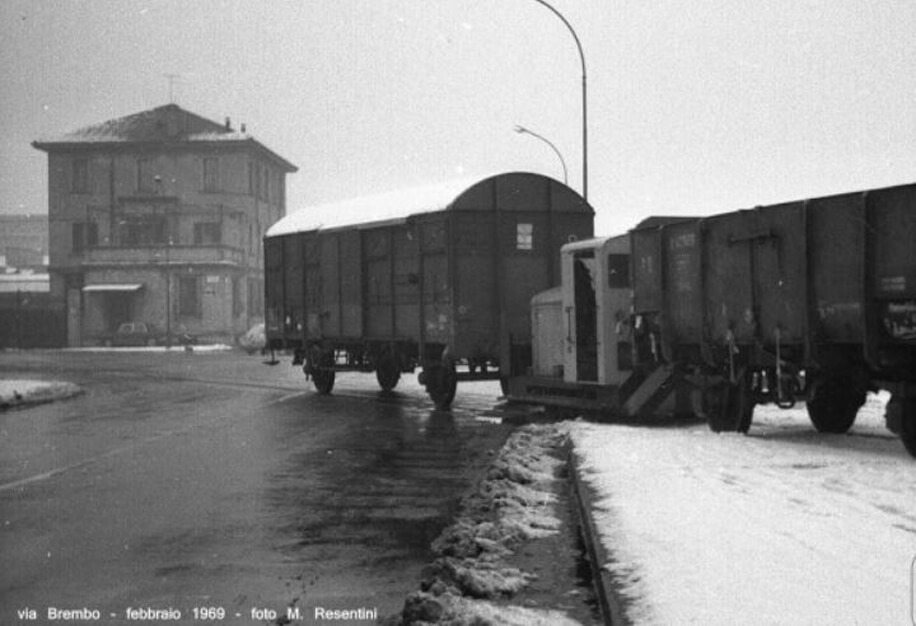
x=158 y=217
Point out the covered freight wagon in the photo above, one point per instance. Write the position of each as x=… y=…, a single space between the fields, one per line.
x=419 y=278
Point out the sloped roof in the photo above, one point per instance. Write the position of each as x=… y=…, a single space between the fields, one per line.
x=384 y=207
x=166 y=124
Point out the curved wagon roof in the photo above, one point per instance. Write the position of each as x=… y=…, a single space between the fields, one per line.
x=394 y=206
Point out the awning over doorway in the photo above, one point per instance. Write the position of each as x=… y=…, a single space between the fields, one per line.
x=113 y=287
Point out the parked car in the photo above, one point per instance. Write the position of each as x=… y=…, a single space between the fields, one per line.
x=254 y=340
x=133 y=334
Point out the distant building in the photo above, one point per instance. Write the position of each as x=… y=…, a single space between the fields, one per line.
x=158 y=217
x=23 y=241
x=28 y=318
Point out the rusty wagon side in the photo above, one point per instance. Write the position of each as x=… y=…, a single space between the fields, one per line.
x=814 y=299
x=421 y=278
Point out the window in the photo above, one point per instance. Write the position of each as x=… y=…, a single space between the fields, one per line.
x=524 y=238
x=189 y=296
x=80 y=180
x=207 y=233
x=85 y=235
x=144 y=230
x=145 y=177
x=211 y=175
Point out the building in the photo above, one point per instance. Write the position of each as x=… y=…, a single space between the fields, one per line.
x=24 y=241
x=158 y=217
x=28 y=318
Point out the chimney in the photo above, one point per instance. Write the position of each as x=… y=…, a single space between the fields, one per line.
x=243 y=128
x=228 y=123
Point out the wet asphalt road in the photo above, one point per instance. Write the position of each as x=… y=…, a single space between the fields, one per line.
x=210 y=480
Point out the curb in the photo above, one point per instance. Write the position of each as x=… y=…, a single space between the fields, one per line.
x=610 y=602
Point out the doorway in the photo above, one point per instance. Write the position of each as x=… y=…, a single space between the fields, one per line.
x=586 y=315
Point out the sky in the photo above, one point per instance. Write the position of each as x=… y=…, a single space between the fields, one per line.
x=694 y=108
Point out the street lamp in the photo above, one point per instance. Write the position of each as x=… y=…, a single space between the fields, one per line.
x=584 y=99
x=523 y=131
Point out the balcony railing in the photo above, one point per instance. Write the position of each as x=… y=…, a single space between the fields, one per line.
x=162 y=253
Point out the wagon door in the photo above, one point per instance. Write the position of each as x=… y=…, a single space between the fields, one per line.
x=351 y=284
x=779 y=274
x=757 y=276
x=293 y=296
x=436 y=307
x=312 y=254
x=330 y=309
x=378 y=254
x=274 y=284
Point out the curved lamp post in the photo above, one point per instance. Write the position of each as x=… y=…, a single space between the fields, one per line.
x=584 y=98
x=524 y=131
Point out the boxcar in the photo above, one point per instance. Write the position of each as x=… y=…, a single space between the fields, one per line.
x=420 y=278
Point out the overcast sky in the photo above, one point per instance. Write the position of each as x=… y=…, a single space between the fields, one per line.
x=694 y=107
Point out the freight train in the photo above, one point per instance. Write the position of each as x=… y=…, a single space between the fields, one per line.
x=812 y=300
x=419 y=278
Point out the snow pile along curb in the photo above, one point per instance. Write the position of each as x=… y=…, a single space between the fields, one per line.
x=15 y=393
x=512 y=505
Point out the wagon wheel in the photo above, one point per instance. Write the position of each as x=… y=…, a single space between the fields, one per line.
x=387 y=374
x=834 y=402
x=741 y=404
x=908 y=429
x=323 y=379
x=729 y=407
x=715 y=400
x=441 y=384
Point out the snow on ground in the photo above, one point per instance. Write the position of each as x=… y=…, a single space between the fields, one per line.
x=17 y=392
x=219 y=347
x=514 y=504
x=783 y=526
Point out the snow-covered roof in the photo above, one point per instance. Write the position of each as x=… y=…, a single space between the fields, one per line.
x=164 y=124
x=384 y=207
x=169 y=122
